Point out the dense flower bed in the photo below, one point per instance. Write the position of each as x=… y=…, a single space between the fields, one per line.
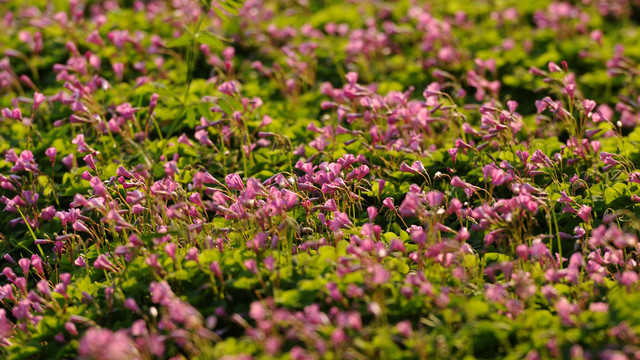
x=319 y=179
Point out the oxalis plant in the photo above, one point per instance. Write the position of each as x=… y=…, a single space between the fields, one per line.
x=271 y=179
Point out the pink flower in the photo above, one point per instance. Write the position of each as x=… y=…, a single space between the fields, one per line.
x=228 y=88
x=453 y=153
x=589 y=106
x=37 y=264
x=435 y=198
x=380 y=275
x=565 y=199
x=342 y=219
x=457 y=182
x=216 y=269
x=522 y=251
x=51 y=153
x=126 y=110
x=183 y=139
x=251 y=265
x=432 y=90
x=539 y=157
x=462 y=145
x=608 y=159
x=90 y=162
x=131 y=305
x=118 y=69
x=38 y=99
x=257 y=311
x=105 y=344
x=153 y=102
x=388 y=203
x=82 y=145
x=565 y=310
x=372 y=212
x=43 y=287
x=339 y=336
x=404 y=328
x=418 y=235
x=381 y=184
x=103 y=263
x=24 y=264
x=71 y=328
x=455 y=206
x=463 y=235
x=203 y=138
x=234 y=181
x=352 y=78
x=170 y=249
x=599 y=307
x=628 y=278
x=584 y=213
x=409 y=205
x=496 y=293
x=48 y=213
x=80 y=262
x=95 y=38
x=553 y=67
x=161 y=293
x=14 y=114
x=406 y=168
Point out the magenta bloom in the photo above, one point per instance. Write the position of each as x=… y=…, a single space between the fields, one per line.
x=105 y=344
x=388 y=202
x=251 y=265
x=352 y=78
x=628 y=278
x=82 y=145
x=453 y=153
x=435 y=198
x=462 y=145
x=228 y=88
x=103 y=263
x=38 y=99
x=51 y=153
x=457 y=182
x=584 y=213
x=90 y=162
x=234 y=181
x=410 y=205
x=257 y=311
x=406 y=168
x=372 y=212
x=80 y=262
x=118 y=69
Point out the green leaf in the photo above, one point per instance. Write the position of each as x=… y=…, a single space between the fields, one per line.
x=209 y=38
x=288 y=298
x=27 y=351
x=230 y=7
x=180 y=41
x=476 y=308
x=245 y=283
x=616 y=192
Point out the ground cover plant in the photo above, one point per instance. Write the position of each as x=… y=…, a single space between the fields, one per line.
x=319 y=179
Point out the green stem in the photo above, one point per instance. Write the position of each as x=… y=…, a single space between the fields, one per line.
x=555 y=223
x=31 y=231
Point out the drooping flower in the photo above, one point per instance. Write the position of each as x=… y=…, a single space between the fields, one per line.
x=104 y=344
x=102 y=262
x=234 y=181
x=51 y=153
x=584 y=213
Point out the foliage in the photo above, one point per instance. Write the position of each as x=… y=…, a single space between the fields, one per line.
x=319 y=179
